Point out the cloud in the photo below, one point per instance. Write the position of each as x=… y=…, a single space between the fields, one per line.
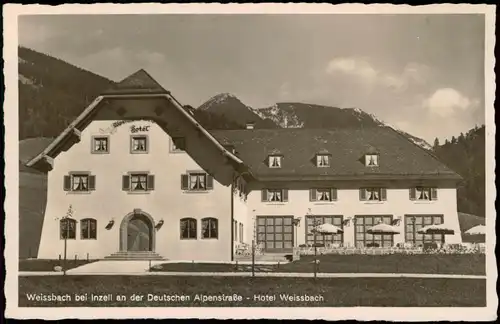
x=412 y=73
x=446 y=102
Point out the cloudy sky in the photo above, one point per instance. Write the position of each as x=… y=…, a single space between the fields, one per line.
x=421 y=73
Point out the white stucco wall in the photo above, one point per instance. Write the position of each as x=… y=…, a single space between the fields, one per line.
x=109 y=202
x=348 y=204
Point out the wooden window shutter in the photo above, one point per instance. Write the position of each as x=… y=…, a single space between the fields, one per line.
x=285 y=194
x=91 y=182
x=126 y=182
x=413 y=193
x=210 y=182
x=333 y=194
x=383 y=193
x=264 y=194
x=362 y=194
x=434 y=194
x=151 y=182
x=312 y=194
x=67 y=183
x=184 y=182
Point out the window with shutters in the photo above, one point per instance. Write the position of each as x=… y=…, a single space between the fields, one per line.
x=373 y=194
x=139 y=144
x=423 y=193
x=209 y=228
x=100 y=144
x=88 y=229
x=79 y=182
x=322 y=160
x=371 y=160
x=196 y=181
x=188 y=229
x=177 y=144
x=275 y=195
x=67 y=228
x=138 y=182
x=275 y=161
x=323 y=194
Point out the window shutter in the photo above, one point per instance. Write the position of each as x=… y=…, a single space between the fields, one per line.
x=434 y=194
x=285 y=194
x=362 y=194
x=210 y=182
x=151 y=182
x=312 y=194
x=334 y=194
x=184 y=182
x=264 y=195
x=413 y=193
x=383 y=194
x=67 y=183
x=91 y=182
x=126 y=182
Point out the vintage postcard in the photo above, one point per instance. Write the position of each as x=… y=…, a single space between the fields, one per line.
x=284 y=161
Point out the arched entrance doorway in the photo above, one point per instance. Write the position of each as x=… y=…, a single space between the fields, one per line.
x=137 y=232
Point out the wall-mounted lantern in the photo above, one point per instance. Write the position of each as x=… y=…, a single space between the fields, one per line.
x=296 y=221
x=397 y=221
x=347 y=221
x=110 y=224
x=159 y=224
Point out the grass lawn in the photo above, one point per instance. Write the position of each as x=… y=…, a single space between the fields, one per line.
x=340 y=292
x=472 y=264
x=48 y=265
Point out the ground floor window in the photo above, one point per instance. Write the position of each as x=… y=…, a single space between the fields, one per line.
x=415 y=222
x=364 y=239
x=241 y=232
x=88 y=228
x=275 y=232
x=188 y=228
x=312 y=221
x=210 y=228
x=68 y=228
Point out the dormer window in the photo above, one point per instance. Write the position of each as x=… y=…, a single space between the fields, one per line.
x=275 y=161
x=371 y=160
x=322 y=160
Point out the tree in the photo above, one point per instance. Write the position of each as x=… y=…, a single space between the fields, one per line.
x=436 y=143
x=453 y=140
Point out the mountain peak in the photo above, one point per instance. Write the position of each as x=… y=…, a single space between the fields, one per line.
x=219 y=99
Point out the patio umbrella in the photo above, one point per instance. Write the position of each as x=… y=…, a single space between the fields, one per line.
x=476 y=230
x=382 y=228
x=436 y=229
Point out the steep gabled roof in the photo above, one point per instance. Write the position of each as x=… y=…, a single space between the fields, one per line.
x=138 y=85
x=399 y=158
x=139 y=82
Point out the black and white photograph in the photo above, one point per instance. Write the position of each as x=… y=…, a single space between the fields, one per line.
x=250 y=161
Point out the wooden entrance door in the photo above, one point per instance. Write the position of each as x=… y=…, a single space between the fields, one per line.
x=139 y=234
x=276 y=232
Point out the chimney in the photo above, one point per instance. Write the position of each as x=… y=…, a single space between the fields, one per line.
x=250 y=125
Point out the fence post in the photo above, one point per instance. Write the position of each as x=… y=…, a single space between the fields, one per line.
x=87 y=257
x=253 y=258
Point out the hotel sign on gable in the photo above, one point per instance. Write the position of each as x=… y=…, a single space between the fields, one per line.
x=133 y=129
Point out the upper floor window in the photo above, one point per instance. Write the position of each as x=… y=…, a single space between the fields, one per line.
x=196 y=181
x=178 y=144
x=100 y=144
x=138 y=182
x=139 y=144
x=371 y=159
x=275 y=161
x=423 y=193
x=323 y=194
x=275 y=195
x=373 y=194
x=322 y=160
x=188 y=228
x=88 y=229
x=67 y=228
x=209 y=228
x=79 y=182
